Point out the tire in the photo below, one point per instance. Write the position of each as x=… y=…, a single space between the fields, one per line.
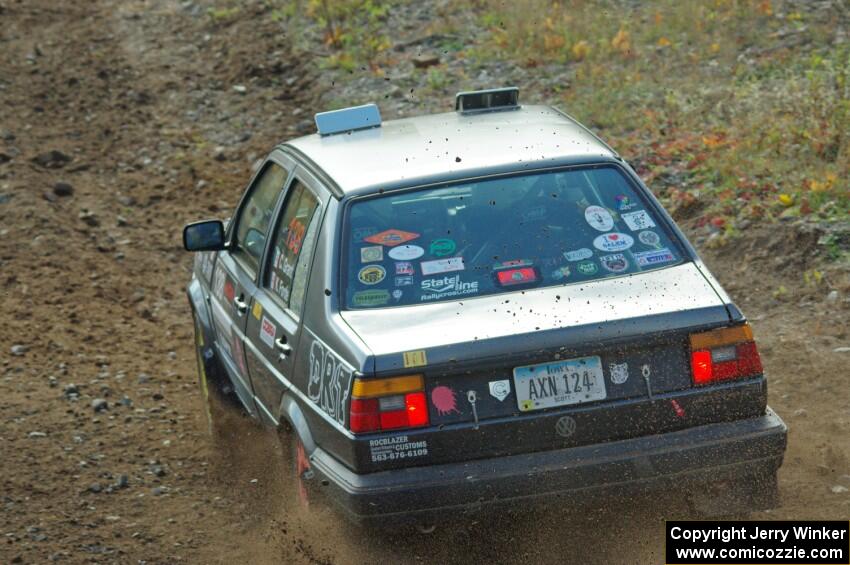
x=215 y=409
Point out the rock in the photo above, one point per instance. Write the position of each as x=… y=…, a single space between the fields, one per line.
x=19 y=350
x=838 y=489
x=99 y=405
x=123 y=481
x=800 y=413
x=52 y=159
x=841 y=350
x=5 y=198
x=143 y=378
x=95 y=487
x=89 y=218
x=159 y=471
x=5 y=158
x=424 y=61
x=49 y=196
x=35 y=435
x=239 y=88
x=71 y=390
x=126 y=200
x=157 y=491
x=63 y=189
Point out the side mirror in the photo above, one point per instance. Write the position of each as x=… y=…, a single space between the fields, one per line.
x=207 y=235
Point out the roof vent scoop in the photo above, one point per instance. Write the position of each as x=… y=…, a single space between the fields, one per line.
x=492 y=100
x=348 y=119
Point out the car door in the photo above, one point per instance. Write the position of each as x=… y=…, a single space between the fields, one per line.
x=237 y=269
x=274 y=325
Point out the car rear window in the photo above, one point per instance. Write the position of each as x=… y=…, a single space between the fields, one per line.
x=500 y=235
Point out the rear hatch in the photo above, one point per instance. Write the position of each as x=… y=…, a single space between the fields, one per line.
x=621 y=343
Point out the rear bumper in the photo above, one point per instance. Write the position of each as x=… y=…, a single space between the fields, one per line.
x=721 y=451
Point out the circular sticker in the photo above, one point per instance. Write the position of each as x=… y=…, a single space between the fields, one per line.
x=615 y=263
x=442 y=247
x=406 y=252
x=613 y=242
x=587 y=268
x=372 y=274
x=599 y=218
x=649 y=238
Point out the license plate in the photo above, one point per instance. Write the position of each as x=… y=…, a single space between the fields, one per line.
x=559 y=383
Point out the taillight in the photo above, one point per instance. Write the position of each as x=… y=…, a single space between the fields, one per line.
x=727 y=353
x=388 y=404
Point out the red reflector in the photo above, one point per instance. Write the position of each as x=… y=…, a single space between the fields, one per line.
x=701 y=366
x=364 y=415
x=393 y=419
x=749 y=362
x=417 y=410
x=510 y=277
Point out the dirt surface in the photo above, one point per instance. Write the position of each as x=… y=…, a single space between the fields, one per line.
x=104 y=456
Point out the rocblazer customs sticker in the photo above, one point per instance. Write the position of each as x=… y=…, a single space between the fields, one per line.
x=396 y=448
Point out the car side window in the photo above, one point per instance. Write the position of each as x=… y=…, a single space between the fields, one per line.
x=293 y=244
x=252 y=224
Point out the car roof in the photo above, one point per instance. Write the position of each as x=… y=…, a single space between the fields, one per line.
x=411 y=151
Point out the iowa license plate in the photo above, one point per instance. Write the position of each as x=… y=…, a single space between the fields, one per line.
x=559 y=383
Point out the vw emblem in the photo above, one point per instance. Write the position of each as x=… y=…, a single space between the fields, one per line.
x=565 y=426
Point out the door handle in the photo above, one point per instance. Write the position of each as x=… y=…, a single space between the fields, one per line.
x=282 y=346
x=241 y=305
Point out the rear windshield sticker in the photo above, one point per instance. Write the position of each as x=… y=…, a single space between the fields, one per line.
x=267 y=332
x=406 y=252
x=444 y=400
x=415 y=358
x=561 y=273
x=613 y=242
x=522 y=275
x=578 y=254
x=587 y=268
x=360 y=234
x=257 y=310
x=404 y=268
x=442 y=265
x=599 y=218
x=370 y=298
x=395 y=448
x=500 y=389
x=624 y=202
x=514 y=263
x=391 y=238
x=647 y=258
x=649 y=238
x=442 y=247
x=330 y=381
x=616 y=263
x=403 y=281
x=639 y=220
x=371 y=254
x=372 y=274
x=446 y=287
x=295 y=235
x=534 y=214
x=619 y=372
x=397 y=294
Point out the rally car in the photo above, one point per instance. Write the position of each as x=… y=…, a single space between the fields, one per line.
x=456 y=310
